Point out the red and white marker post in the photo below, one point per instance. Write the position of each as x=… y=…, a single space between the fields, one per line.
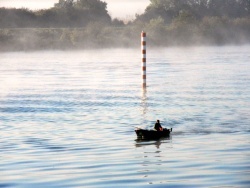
x=143 y=58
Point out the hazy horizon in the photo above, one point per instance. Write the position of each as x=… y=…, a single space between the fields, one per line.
x=116 y=8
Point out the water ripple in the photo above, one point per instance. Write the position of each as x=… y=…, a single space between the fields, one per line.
x=69 y=122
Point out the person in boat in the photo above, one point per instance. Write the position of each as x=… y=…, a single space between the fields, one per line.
x=158 y=126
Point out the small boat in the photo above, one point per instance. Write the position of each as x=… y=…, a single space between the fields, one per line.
x=152 y=134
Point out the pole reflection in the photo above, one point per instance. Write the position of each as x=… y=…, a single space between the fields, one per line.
x=144 y=106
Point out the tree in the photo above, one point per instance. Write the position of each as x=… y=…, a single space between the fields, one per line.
x=96 y=9
x=117 y=22
x=64 y=4
x=91 y=5
x=156 y=28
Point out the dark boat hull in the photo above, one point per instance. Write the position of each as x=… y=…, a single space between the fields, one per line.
x=152 y=134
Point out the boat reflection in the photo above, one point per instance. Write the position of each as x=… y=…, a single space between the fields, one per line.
x=157 y=143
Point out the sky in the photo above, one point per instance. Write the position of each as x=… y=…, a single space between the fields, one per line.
x=116 y=8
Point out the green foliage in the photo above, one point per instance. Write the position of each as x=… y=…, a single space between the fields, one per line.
x=118 y=23
x=91 y=5
x=64 y=4
x=155 y=28
x=65 y=13
x=184 y=17
x=76 y=24
x=169 y=9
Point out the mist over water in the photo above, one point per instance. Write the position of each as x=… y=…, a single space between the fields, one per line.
x=67 y=118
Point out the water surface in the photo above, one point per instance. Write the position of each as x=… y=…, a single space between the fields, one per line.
x=67 y=119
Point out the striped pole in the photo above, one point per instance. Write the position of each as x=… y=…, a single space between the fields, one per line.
x=143 y=58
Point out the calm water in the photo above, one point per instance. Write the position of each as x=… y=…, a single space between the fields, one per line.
x=67 y=119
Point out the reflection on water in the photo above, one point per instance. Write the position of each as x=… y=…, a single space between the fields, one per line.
x=194 y=161
x=144 y=106
x=67 y=118
x=157 y=143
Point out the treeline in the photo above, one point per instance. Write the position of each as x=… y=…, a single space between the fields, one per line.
x=87 y=24
x=64 y=14
x=170 y=9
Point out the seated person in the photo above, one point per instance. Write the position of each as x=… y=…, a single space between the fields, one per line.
x=158 y=126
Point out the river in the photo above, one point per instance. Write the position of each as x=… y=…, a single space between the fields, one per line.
x=67 y=118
